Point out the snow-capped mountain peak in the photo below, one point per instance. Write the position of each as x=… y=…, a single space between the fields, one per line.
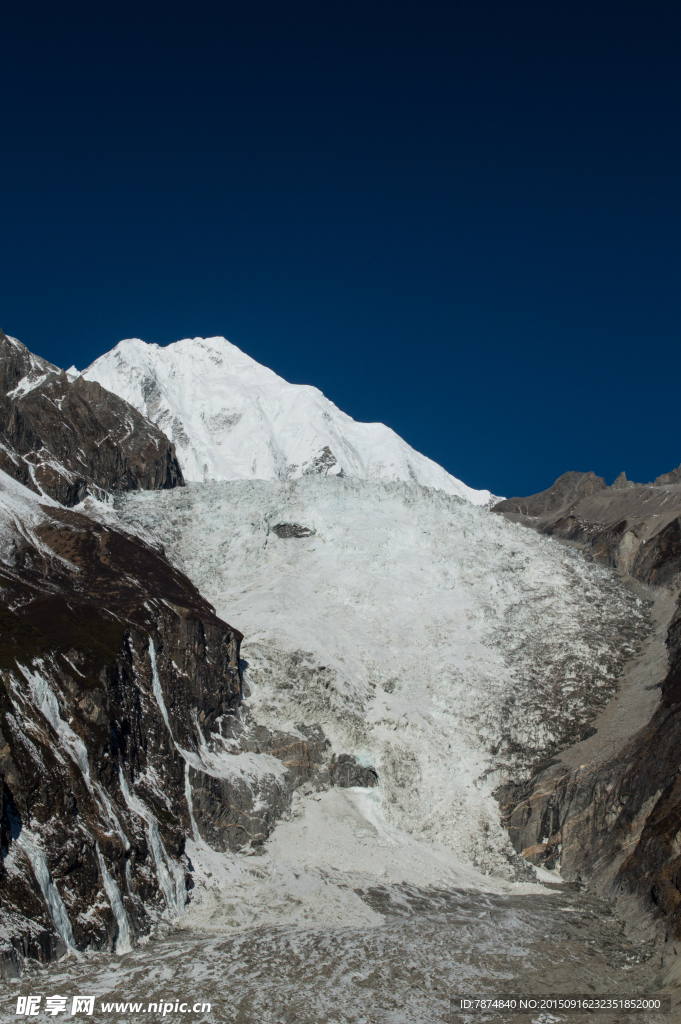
x=233 y=419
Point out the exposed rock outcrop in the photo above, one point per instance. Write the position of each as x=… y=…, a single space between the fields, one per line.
x=105 y=650
x=634 y=528
x=615 y=822
x=568 y=489
x=66 y=438
x=669 y=478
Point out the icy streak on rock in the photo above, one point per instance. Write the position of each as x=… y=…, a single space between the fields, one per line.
x=158 y=694
x=123 y=939
x=48 y=705
x=128 y=877
x=46 y=701
x=190 y=802
x=156 y=683
x=55 y=905
x=113 y=817
x=172 y=885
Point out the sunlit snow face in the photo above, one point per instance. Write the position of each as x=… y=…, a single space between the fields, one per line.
x=443 y=646
x=233 y=419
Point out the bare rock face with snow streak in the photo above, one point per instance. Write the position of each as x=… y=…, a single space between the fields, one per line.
x=67 y=438
x=120 y=696
x=233 y=419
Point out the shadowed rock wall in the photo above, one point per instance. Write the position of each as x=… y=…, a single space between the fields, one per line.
x=97 y=632
x=67 y=438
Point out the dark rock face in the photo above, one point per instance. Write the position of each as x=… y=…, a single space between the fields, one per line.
x=64 y=438
x=614 y=821
x=344 y=771
x=322 y=464
x=289 y=530
x=233 y=812
x=100 y=641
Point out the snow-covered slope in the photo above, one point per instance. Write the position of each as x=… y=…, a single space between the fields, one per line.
x=233 y=419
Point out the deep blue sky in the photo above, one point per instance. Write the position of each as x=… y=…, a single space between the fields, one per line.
x=462 y=219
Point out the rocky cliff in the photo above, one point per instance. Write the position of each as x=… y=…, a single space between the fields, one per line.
x=614 y=820
x=66 y=438
x=106 y=651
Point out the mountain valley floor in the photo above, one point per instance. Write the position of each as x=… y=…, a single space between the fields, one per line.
x=431 y=947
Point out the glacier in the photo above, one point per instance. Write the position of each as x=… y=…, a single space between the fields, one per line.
x=231 y=418
x=444 y=647
x=449 y=652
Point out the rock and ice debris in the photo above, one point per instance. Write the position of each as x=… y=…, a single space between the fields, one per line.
x=233 y=419
x=447 y=651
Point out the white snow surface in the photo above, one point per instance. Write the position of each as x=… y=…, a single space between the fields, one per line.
x=233 y=419
x=437 y=643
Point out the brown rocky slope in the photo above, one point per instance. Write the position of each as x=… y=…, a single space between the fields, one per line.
x=615 y=819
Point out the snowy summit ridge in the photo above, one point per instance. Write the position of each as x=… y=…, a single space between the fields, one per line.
x=233 y=419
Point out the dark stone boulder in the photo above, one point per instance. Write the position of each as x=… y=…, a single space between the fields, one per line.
x=287 y=531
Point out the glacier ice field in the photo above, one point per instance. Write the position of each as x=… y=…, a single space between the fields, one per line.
x=441 y=645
